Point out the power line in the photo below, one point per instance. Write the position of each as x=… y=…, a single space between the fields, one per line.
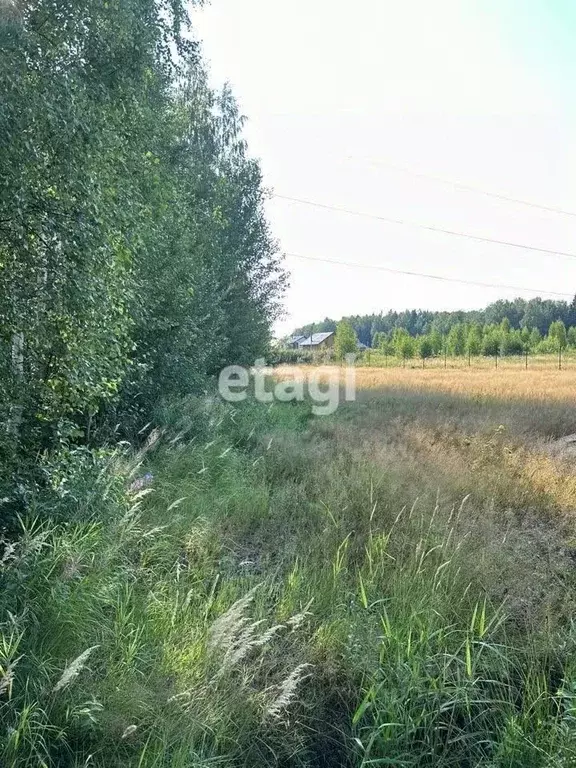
x=389 y=220
x=443 y=278
x=466 y=187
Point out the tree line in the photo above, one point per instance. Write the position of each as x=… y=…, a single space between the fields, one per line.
x=135 y=257
x=463 y=339
x=473 y=339
x=534 y=314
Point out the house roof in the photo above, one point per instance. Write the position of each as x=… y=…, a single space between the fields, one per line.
x=315 y=339
x=295 y=339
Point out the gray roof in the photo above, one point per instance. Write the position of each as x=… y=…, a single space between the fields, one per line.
x=295 y=339
x=315 y=339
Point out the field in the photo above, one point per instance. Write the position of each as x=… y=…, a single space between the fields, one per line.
x=390 y=585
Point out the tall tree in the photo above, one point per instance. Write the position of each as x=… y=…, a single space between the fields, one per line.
x=135 y=257
x=345 y=341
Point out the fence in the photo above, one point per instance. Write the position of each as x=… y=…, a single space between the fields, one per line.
x=565 y=360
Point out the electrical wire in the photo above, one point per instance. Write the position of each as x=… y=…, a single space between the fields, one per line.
x=465 y=187
x=389 y=220
x=443 y=278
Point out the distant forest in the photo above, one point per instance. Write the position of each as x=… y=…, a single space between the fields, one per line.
x=535 y=313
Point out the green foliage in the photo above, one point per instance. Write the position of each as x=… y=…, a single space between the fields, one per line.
x=345 y=341
x=492 y=341
x=436 y=340
x=535 y=338
x=557 y=334
x=403 y=343
x=425 y=348
x=135 y=258
x=489 y=340
x=457 y=340
x=383 y=343
x=474 y=340
x=281 y=355
x=166 y=627
x=512 y=343
x=520 y=313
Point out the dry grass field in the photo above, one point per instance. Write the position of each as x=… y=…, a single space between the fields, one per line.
x=543 y=383
x=494 y=437
x=498 y=435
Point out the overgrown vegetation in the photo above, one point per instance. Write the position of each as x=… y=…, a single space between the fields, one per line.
x=387 y=586
x=135 y=259
x=184 y=583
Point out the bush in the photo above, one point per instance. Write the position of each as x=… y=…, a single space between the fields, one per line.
x=284 y=356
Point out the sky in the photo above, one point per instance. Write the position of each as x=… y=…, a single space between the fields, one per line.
x=347 y=101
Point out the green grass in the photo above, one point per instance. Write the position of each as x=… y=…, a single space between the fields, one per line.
x=278 y=598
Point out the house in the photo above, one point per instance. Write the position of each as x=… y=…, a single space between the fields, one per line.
x=294 y=341
x=318 y=341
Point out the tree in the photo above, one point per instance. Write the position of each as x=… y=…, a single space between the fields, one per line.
x=557 y=334
x=474 y=340
x=404 y=344
x=512 y=343
x=571 y=314
x=379 y=339
x=383 y=343
x=345 y=341
x=457 y=340
x=135 y=256
x=436 y=340
x=519 y=314
x=425 y=349
x=535 y=338
x=491 y=341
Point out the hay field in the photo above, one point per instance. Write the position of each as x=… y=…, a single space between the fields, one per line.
x=543 y=383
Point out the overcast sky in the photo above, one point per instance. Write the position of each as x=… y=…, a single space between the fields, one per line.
x=476 y=91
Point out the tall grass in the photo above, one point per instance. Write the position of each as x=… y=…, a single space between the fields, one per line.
x=277 y=597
